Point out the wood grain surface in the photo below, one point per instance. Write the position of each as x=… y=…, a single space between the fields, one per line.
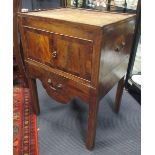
x=81 y=16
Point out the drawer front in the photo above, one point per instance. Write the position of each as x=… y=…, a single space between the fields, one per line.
x=117 y=45
x=72 y=55
x=59 y=87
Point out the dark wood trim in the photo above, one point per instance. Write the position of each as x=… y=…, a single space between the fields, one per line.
x=109 y=5
x=77 y=1
x=84 y=4
x=63 y=3
x=134 y=90
x=125 y=6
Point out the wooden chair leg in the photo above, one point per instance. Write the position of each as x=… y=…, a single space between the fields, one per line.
x=92 y=119
x=119 y=95
x=34 y=95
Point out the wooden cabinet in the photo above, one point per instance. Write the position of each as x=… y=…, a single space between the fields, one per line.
x=77 y=53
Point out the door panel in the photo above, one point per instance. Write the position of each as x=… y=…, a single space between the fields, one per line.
x=66 y=53
x=38 y=45
x=73 y=55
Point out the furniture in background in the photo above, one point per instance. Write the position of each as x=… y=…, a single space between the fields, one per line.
x=135 y=88
x=17 y=48
x=102 y=5
x=74 y=56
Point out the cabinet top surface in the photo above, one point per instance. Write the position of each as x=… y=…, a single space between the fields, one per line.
x=89 y=17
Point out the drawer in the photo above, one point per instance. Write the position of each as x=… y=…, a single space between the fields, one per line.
x=69 y=54
x=59 y=87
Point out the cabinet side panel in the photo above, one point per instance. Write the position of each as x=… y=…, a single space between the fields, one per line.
x=116 y=49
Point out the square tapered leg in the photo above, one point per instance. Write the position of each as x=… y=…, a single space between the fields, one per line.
x=118 y=97
x=92 y=120
x=34 y=95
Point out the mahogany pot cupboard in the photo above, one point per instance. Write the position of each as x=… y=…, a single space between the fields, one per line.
x=77 y=53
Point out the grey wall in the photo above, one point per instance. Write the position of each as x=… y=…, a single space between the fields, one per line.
x=40 y=4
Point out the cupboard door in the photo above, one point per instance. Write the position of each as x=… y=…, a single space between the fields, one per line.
x=38 y=45
x=72 y=55
x=66 y=53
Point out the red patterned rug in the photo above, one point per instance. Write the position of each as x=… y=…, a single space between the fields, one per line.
x=25 y=134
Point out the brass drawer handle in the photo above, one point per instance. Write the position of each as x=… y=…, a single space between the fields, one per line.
x=119 y=48
x=49 y=81
x=123 y=44
x=58 y=86
x=54 y=54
